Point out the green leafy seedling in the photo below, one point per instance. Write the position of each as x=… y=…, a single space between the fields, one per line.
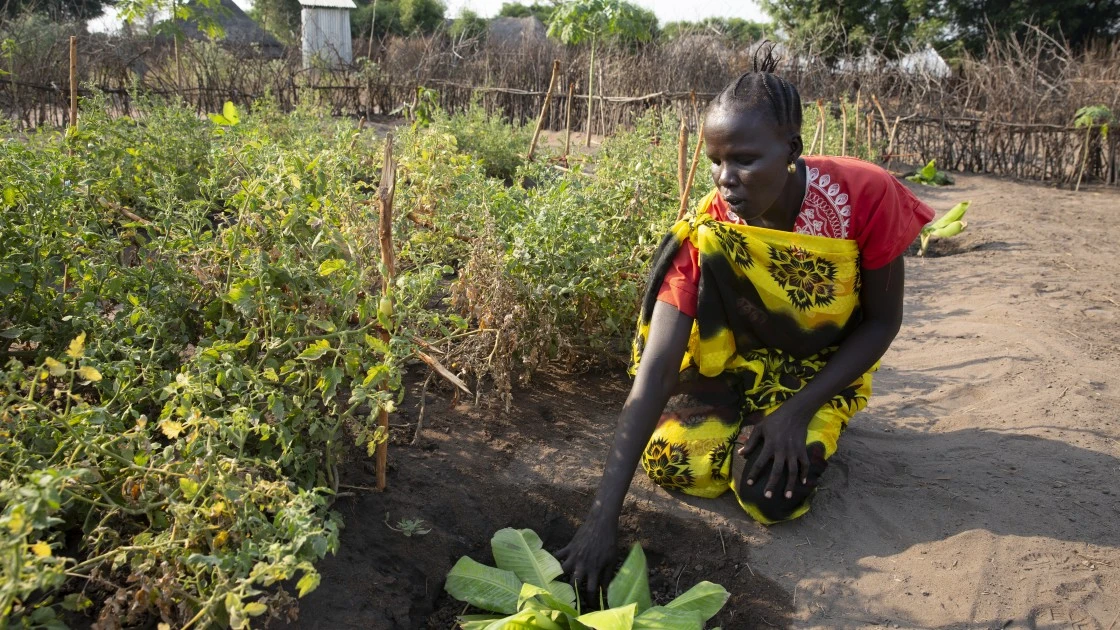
x=525 y=593
x=229 y=116
x=409 y=526
x=928 y=175
x=950 y=224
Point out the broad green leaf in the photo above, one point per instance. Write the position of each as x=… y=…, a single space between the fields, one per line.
x=954 y=228
x=956 y=213
x=610 y=619
x=662 y=618
x=519 y=621
x=229 y=112
x=521 y=551
x=705 y=598
x=928 y=171
x=331 y=265
x=477 y=622
x=9 y=196
x=484 y=587
x=631 y=584
x=544 y=596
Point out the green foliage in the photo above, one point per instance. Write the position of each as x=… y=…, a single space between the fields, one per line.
x=524 y=590
x=539 y=10
x=928 y=175
x=282 y=19
x=845 y=28
x=205 y=15
x=1097 y=117
x=387 y=22
x=468 y=26
x=737 y=30
x=186 y=353
x=421 y=16
x=55 y=10
x=578 y=21
x=496 y=144
x=950 y=224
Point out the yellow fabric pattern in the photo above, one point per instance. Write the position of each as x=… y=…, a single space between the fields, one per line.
x=772 y=308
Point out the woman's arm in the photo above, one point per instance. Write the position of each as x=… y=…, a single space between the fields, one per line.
x=782 y=433
x=590 y=554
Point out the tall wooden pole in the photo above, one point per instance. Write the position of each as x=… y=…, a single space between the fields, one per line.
x=544 y=110
x=73 y=82
x=568 y=120
x=682 y=157
x=691 y=174
x=385 y=194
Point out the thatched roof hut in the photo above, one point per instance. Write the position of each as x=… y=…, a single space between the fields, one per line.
x=239 y=30
x=509 y=31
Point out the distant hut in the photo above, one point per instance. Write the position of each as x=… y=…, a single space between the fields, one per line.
x=326 y=31
x=238 y=30
x=515 y=32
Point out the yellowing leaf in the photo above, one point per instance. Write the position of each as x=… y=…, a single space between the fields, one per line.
x=221 y=539
x=77 y=347
x=89 y=374
x=41 y=549
x=189 y=487
x=331 y=265
x=16 y=521
x=307 y=583
x=54 y=367
x=171 y=428
x=254 y=609
x=271 y=375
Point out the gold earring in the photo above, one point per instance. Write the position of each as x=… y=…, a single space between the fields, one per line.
x=792 y=167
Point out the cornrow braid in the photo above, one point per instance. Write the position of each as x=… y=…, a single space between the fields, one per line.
x=752 y=88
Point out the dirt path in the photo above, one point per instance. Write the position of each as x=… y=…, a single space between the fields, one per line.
x=976 y=491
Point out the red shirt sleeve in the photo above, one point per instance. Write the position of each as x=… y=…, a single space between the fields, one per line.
x=681 y=286
x=892 y=219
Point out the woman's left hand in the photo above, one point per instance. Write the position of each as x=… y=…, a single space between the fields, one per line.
x=780 y=437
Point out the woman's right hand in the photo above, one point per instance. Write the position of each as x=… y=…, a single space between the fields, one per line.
x=589 y=557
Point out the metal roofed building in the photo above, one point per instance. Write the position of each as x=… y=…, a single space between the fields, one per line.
x=326 y=31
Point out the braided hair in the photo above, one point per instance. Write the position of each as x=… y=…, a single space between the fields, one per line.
x=762 y=87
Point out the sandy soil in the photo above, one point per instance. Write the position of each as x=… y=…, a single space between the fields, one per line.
x=978 y=490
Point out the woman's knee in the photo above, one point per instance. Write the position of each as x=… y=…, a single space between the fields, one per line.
x=777 y=507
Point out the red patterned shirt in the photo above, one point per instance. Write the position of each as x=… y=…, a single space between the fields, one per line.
x=845 y=198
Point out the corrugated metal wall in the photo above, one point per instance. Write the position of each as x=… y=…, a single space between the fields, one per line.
x=326 y=33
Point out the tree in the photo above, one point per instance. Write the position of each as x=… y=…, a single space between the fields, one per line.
x=1079 y=22
x=579 y=21
x=541 y=11
x=468 y=26
x=279 y=17
x=421 y=16
x=889 y=26
x=57 y=10
x=737 y=30
x=387 y=21
x=840 y=28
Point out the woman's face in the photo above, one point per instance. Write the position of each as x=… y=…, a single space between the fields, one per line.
x=750 y=156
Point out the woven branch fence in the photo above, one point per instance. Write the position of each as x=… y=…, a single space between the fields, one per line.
x=1009 y=114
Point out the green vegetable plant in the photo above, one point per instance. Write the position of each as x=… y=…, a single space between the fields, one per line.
x=950 y=224
x=1093 y=117
x=409 y=526
x=930 y=176
x=525 y=593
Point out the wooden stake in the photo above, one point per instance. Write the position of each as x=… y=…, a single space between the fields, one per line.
x=602 y=106
x=844 y=129
x=385 y=194
x=856 y=117
x=691 y=174
x=869 y=150
x=816 y=136
x=824 y=125
x=695 y=110
x=568 y=120
x=544 y=110
x=73 y=82
x=682 y=157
